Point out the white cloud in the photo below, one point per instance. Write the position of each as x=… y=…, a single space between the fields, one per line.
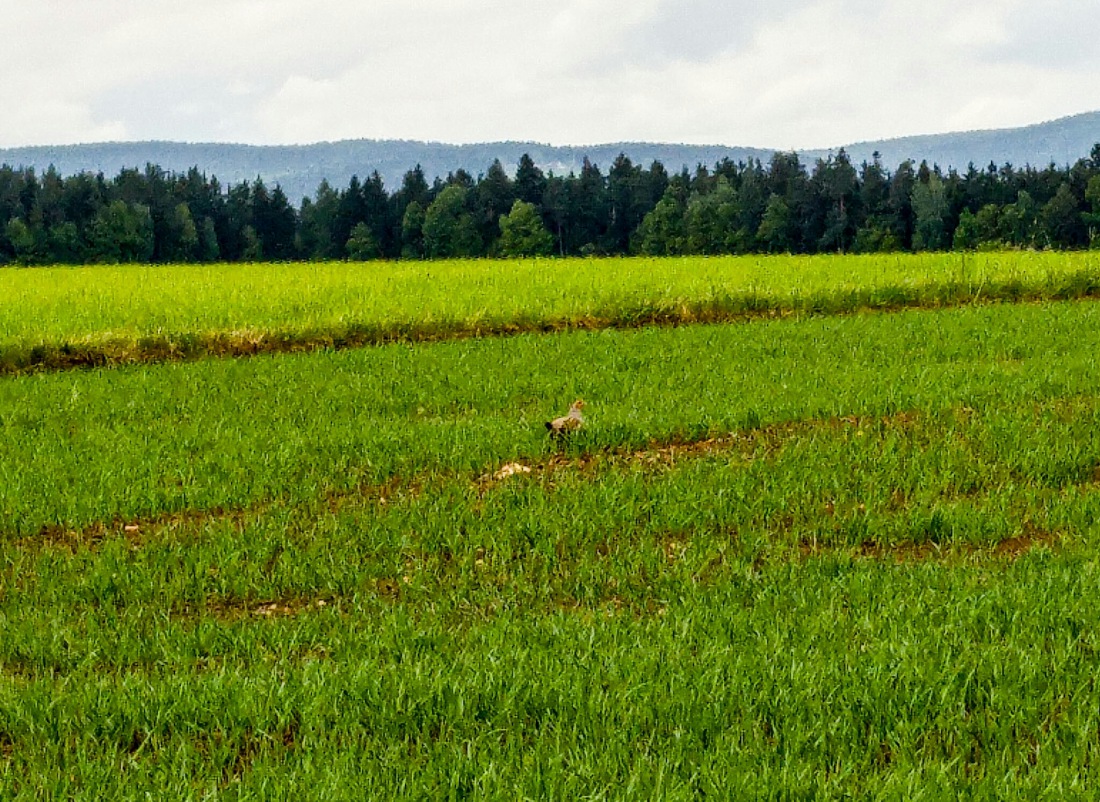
x=802 y=73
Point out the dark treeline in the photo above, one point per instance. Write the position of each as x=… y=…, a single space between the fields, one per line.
x=778 y=207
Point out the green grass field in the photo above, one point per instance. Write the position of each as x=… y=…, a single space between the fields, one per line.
x=817 y=557
x=62 y=317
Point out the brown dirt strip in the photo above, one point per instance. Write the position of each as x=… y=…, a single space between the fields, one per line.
x=901 y=553
x=746 y=307
x=763 y=442
x=391 y=589
x=760 y=443
x=135 y=531
x=270 y=608
x=751 y=444
x=239 y=751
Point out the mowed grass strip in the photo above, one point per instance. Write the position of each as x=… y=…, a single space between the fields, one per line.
x=81 y=448
x=617 y=630
x=56 y=318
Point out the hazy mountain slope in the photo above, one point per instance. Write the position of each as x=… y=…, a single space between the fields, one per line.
x=1061 y=141
x=300 y=168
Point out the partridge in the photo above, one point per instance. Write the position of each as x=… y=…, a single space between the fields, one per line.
x=569 y=422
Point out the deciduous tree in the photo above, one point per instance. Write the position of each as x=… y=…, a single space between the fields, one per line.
x=361 y=245
x=522 y=232
x=929 y=212
x=449 y=229
x=122 y=232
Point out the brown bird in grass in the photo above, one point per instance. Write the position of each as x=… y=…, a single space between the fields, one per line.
x=570 y=422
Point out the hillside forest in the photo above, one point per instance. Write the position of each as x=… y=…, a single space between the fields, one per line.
x=781 y=206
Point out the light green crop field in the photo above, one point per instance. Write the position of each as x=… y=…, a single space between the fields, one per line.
x=59 y=317
x=821 y=557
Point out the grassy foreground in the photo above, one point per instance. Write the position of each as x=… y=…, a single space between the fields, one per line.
x=55 y=318
x=825 y=558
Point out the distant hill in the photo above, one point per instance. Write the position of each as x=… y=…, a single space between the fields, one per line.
x=1060 y=142
x=300 y=168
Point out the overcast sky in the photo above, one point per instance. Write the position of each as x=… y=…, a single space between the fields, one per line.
x=779 y=74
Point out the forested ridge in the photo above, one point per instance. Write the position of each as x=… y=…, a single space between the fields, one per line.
x=299 y=169
x=782 y=206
